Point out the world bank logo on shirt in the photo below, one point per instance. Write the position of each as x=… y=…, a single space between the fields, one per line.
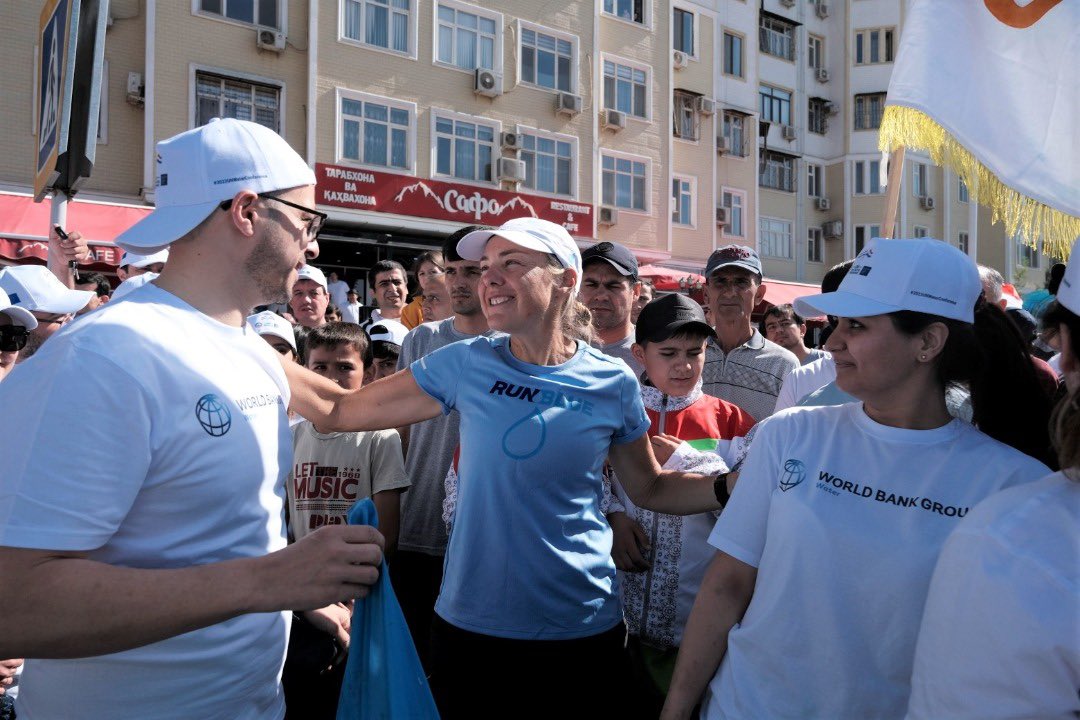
x=794 y=473
x=213 y=415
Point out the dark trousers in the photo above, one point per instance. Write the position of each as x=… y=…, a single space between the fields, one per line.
x=416 y=578
x=480 y=676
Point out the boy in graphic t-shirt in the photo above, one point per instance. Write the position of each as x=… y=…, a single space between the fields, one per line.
x=331 y=472
x=662 y=558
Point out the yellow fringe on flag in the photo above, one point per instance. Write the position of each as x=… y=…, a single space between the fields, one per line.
x=1022 y=216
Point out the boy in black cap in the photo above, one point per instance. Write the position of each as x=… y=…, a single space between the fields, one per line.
x=662 y=558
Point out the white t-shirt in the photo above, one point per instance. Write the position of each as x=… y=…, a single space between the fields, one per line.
x=338 y=291
x=350 y=312
x=844 y=519
x=1000 y=637
x=804 y=380
x=151 y=436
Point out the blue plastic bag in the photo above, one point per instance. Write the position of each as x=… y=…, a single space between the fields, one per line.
x=383 y=675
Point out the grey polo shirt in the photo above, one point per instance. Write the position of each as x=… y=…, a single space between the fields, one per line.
x=750 y=376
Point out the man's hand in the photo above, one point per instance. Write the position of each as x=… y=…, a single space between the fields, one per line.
x=333 y=564
x=7 y=673
x=664 y=446
x=630 y=543
x=333 y=620
x=74 y=248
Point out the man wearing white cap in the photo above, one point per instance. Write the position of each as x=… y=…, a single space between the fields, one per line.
x=309 y=297
x=132 y=264
x=155 y=587
x=36 y=289
x=15 y=326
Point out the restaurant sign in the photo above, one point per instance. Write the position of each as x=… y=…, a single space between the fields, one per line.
x=375 y=191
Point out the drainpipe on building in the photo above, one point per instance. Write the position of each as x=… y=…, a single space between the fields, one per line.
x=312 y=80
x=149 y=151
x=799 y=236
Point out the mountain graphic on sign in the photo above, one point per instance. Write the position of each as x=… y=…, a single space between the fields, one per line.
x=419 y=186
x=517 y=201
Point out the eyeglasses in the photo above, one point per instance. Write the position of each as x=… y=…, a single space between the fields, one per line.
x=51 y=319
x=13 y=338
x=314 y=225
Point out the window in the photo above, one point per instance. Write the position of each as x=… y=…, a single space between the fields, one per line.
x=466 y=40
x=735 y=133
x=817 y=118
x=682 y=201
x=813 y=245
x=919 y=187
x=632 y=10
x=777 y=37
x=815 y=51
x=684 y=31
x=625 y=89
x=864 y=234
x=920 y=231
x=733 y=55
x=774 y=238
x=962 y=191
x=775 y=105
x=624 y=182
x=873 y=46
x=253 y=12
x=815 y=180
x=868 y=110
x=777 y=171
x=374 y=132
x=1026 y=256
x=464 y=149
x=962 y=243
x=379 y=23
x=549 y=164
x=734 y=202
x=684 y=115
x=546 y=60
x=219 y=96
x=868 y=177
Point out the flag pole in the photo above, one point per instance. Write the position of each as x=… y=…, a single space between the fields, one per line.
x=892 y=192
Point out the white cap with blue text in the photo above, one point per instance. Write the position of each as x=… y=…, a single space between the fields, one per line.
x=1068 y=293
x=530 y=233
x=922 y=275
x=35 y=289
x=199 y=169
x=19 y=316
x=270 y=323
x=312 y=273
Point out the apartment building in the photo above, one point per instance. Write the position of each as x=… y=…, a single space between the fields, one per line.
x=673 y=127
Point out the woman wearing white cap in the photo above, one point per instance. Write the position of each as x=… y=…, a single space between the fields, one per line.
x=1000 y=636
x=527 y=609
x=812 y=606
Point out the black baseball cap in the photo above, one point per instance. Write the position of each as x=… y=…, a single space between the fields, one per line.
x=667 y=315
x=616 y=255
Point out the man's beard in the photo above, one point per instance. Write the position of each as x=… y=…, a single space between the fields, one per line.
x=266 y=266
x=33 y=344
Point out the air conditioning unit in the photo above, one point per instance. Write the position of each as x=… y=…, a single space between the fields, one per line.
x=832 y=108
x=567 y=103
x=926 y=202
x=270 y=40
x=511 y=141
x=511 y=169
x=614 y=120
x=680 y=59
x=822 y=75
x=136 y=91
x=723 y=145
x=787 y=3
x=822 y=203
x=607 y=216
x=487 y=83
x=788 y=132
x=822 y=10
x=833 y=229
x=705 y=106
x=721 y=215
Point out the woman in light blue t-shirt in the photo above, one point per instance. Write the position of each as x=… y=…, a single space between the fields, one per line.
x=527 y=617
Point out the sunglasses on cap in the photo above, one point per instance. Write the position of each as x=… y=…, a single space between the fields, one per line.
x=13 y=338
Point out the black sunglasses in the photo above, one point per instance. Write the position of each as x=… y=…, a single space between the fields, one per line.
x=314 y=226
x=13 y=338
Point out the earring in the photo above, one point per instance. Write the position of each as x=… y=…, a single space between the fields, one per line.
x=923 y=357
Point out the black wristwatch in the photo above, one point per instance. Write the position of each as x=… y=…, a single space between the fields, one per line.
x=719 y=487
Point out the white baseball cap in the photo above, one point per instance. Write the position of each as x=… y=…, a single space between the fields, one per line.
x=922 y=275
x=1068 y=293
x=19 y=316
x=132 y=284
x=34 y=288
x=199 y=169
x=141 y=261
x=312 y=273
x=530 y=233
x=270 y=323
x=390 y=331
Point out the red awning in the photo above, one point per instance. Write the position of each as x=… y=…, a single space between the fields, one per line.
x=24 y=228
x=663 y=278
x=781 y=292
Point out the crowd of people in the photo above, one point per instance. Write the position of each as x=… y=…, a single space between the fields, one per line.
x=592 y=497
